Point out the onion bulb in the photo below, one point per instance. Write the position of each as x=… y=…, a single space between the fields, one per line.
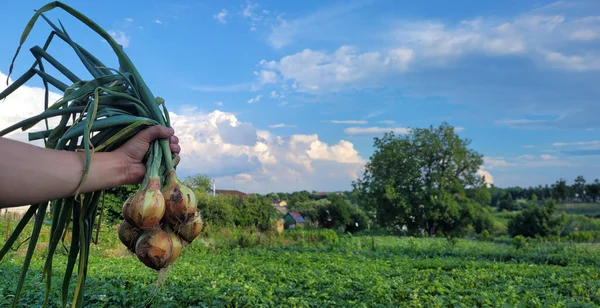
x=154 y=248
x=189 y=231
x=177 y=243
x=180 y=200
x=145 y=208
x=128 y=234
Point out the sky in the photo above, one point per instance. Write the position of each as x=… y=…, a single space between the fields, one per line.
x=288 y=95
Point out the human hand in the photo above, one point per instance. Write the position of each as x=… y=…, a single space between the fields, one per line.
x=133 y=151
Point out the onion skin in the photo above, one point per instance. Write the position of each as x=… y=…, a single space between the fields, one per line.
x=146 y=208
x=180 y=201
x=154 y=248
x=177 y=244
x=189 y=231
x=128 y=235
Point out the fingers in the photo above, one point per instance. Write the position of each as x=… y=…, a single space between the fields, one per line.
x=175 y=148
x=155 y=132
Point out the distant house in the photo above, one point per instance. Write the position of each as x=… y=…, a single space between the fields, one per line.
x=293 y=219
x=225 y=192
x=278 y=203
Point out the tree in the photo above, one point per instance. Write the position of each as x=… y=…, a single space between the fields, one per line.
x=536 y=220
x=335 y=214
x=199 y=182
x=560 y=190
x=579 y=188
x=309 y=209
x=506 y=203
x=593 y=190
x=417 y=179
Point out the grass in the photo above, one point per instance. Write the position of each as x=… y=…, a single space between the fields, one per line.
x=402 y=271
x=588 y=209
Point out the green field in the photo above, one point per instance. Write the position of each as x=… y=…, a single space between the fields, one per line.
x=589 y=209
x=297 y=270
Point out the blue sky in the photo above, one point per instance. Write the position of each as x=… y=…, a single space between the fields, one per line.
x=282 y=95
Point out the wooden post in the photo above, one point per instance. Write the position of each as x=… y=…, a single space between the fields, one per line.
x=372 y=243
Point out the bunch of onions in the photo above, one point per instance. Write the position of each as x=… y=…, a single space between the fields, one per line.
x=98 y=114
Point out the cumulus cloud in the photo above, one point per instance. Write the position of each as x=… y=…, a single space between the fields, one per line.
x=273 y=163
x=23 y=103
x=319 y=71
x=537 y=35
x=487 y=177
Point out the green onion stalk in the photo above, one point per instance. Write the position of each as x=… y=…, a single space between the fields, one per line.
x=98 y=114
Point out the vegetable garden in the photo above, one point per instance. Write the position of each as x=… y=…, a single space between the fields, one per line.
x=320 y=268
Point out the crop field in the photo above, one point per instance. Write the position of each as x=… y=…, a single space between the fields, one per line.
x=301 y=270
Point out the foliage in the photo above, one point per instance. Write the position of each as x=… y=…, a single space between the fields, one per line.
x=418 y=180
x=309 y=209
x=228 y=211
x=199 y=182
x=336 y=214
x=536 y=220
x=332 y=270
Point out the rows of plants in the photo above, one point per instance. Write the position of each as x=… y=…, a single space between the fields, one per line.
x=305 y=268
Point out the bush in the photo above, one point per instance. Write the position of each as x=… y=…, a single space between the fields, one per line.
x=536 y=220
x=581 y=236
x=519 y=242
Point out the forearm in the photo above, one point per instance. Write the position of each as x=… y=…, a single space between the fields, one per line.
x=31 y=174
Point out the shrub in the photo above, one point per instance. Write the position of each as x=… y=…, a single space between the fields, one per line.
x=519 y=242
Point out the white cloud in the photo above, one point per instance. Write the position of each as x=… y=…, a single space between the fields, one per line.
x=120 y=37
x=493 y=162
x=346 y=121
x=390 y=122
x=526 y=161
x=590 y=62
x=587 y=145
x=255 y=100
x=265 y=162
x=487 y=176
x=528 y=146
x=535 y=35
x=319 y=71
x=219 y=103
x=248 y=11
x=23 y=103
x=220 y=17
x=281 y=125
x=375 y=130
x=265 y=77
x=274 y=94
x=584 y=35
x=158 y=21
x=547 y=157
x=284 y=103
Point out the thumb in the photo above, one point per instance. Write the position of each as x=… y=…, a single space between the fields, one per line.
x=155 y=132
